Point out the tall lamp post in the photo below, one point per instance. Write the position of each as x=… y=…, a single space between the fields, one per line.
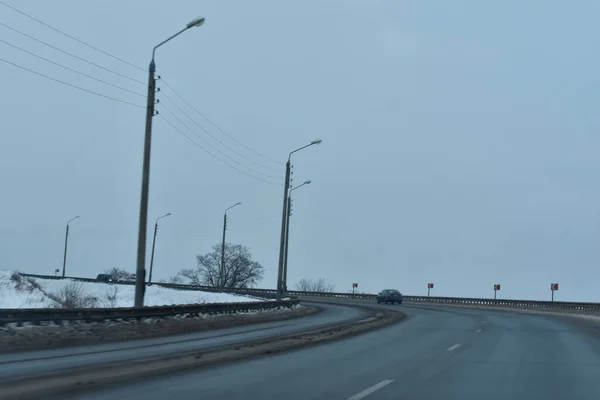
x=140 y=283
x=284 y=218
x=66 y=244
x=287 y=235
x=222 y=269
x=153 y=244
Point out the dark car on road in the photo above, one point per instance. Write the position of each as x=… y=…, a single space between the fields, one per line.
x=104 y=278
x=389 y=296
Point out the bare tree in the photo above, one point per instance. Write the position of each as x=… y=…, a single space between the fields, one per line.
x=111 y=297
x=193 y=276
x=73 y=296
x=21 y=283
x=118 y=273
x=319 y=285
x=240 y=270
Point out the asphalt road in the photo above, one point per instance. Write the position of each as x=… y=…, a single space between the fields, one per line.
x=30 y=364
x=438 y=353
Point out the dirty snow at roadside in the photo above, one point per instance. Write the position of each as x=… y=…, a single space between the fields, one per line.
x=43 y=293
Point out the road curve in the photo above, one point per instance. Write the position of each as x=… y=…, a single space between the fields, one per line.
x=30 y=364
x=437 y=353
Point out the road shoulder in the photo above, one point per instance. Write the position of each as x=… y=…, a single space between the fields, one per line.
x=30 y=338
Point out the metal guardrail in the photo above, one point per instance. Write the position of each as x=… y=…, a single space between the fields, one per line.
x=559 y=306
x=36 y=315
x=265 y=293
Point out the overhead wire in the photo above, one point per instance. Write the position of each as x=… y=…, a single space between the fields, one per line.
x=70 y=36
x=216 y=126
x=212 y=155
x=212 y=136
x=161 y=105
x=71 y=85
x=71 y=69
x=121 y=88
x=71 y=55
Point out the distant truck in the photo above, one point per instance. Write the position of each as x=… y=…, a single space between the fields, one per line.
x=105 y=278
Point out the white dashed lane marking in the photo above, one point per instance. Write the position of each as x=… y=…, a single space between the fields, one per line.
x=370 y=390
x=454 y=347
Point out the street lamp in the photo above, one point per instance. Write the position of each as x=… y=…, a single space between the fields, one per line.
x=222 y=271
x=66 y=244
x=140 y=283
x=284 y=218
x=287 y=235
x=153 y=243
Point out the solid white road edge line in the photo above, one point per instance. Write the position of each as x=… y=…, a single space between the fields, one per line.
x=370 y=390
x=452 y=348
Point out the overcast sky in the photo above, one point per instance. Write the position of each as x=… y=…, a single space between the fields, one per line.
x=460 y=140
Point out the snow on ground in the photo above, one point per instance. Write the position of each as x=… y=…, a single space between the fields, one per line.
x=44 y=293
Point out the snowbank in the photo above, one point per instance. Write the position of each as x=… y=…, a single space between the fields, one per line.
x=44 y=293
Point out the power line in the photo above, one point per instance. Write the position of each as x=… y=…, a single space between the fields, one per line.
x=71 y=85
x=211 y=145
x=70 y=36
x=212 y=136
x=134 y=66
x=71 y=55
x=135 y=80
x=212 y=155
x=217 y=127
x=71 y=69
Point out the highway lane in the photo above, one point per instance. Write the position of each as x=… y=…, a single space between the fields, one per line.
x=22 y=365
x=438 y=353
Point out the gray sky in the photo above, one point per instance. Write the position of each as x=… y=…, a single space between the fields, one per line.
x=460 y=140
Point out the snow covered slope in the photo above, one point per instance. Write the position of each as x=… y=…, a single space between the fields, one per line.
x=17 y=291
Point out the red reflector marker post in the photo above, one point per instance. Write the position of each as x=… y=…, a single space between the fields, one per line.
x=553 y=287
